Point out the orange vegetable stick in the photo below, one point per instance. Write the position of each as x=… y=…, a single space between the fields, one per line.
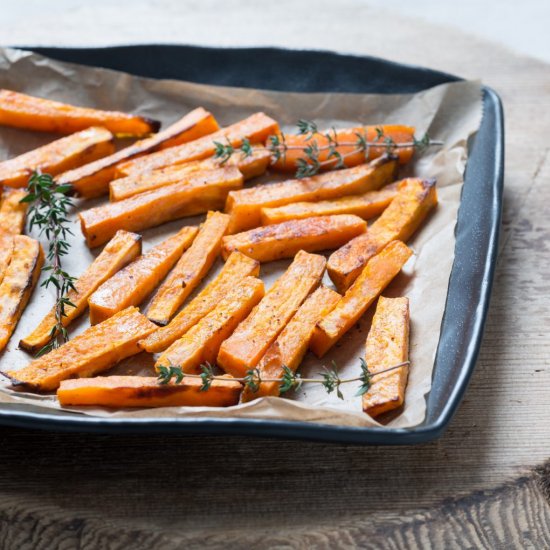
x=120 y=251
x=202 y=192
x=237 y=267
x=44 y=115
x=246 y=346
x=255 y=128
x=200 y=344
x=56 y=157
x=92 y=180
x=414 y=200
x=387 y=345
x=291 y=345
x=399 y=134
x=375 y=277
x=191 y=268
x=146 y=391
x=6 y=249
x=284 y=240
x=97 y=349
x=132 y=284
x=13 y=212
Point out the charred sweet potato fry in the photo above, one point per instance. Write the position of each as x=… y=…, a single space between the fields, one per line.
x=13 y=212
x=95 y=350
x=190 y=269
x=56 y=157
x=200 y=344
x=375 y=277
x=92 y=179
x=120 y=251
x=366 y=206
x=291 y=345
x=255 y=128
x=284 y=240
x=18 y=283
x=202 y=192
x=250 y=166
x=44 y=115
x=246 y=346
x=146 y=391
x=414 y=200
x=245 y=205
x=132 y=284
x=387 y=345
x=237 y=267
x=349 y=137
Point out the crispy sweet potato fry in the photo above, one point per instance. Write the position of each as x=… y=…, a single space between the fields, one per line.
x=92 y=180
x=201 y=342
x=203 y=192
x=56 y=157
x=291 y=345
x=415 y=198
x=13 y=212
x=387 y=345
x=97 y=349
x=44 y=115
x=237 y=267
x=19 y=281
x=399 y=134
x=366 y=206
x=246 y=346
x=245 y=205
x=191 y=268
x=6 y=249
x=145 y=391
x=284 y=240
x=376 y=275
x=250 y=166
x=132 y=284
x=255 y=128
x=120 y=251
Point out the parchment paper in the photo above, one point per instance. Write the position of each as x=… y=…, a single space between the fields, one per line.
x=450 y=112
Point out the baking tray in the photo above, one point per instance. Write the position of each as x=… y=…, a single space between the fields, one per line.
x=477 y=228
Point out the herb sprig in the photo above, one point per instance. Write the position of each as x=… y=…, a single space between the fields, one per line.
x=329 y=378
x=48 y=212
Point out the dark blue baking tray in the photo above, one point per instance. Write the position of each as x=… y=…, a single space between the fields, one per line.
x=477 y=227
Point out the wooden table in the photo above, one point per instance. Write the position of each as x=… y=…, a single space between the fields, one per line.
x=474 y=487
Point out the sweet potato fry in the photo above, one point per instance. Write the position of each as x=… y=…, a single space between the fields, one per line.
x=200 y=344
x=245 y=205
x=92 y=180
x=201 y=193
x=284 y=240
x=145 y=391
x=19 y=281
x=191 y=268
x=366 y=206
x=246 y=346
x=291 y=345
x=44 y=115
x=375 y=277
x=132 y=284
x=6 y=250
x=250 y=166
x=13 y=212
x=415 y=198
x=95 y=350
x=120 y=251
x=58 y=156
x=387 y=345
x=237 y=267
x=399 y=134
x=255 y=128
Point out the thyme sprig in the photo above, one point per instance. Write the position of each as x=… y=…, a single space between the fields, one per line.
x=329 y=378
x=48 y=212
x=310 y=163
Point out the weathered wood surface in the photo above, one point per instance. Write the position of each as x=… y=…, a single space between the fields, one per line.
x=279 y=493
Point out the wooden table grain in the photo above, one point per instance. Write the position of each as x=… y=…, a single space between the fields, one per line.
x=478 y=486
